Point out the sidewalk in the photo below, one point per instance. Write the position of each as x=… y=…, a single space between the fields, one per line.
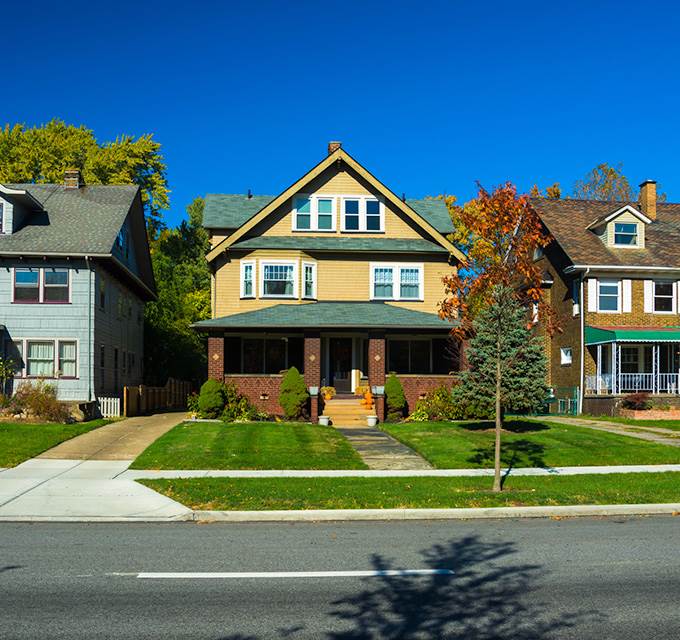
x=79 y=479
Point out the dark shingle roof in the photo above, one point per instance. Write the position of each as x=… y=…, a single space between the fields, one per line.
x=316 y=315
x=74 y=221
x=567 y=221
x=341 y=243
x=230 y=211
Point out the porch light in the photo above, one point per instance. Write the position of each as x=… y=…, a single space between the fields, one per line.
x=313 y=391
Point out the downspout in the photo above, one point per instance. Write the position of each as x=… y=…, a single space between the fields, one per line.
x=90 y=337
x=582 y=381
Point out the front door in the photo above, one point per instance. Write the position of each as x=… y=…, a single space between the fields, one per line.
x=340 y=361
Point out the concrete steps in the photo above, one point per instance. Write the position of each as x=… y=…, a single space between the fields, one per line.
x=347 y=412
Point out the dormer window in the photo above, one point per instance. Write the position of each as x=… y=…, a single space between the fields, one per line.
x=626 y=234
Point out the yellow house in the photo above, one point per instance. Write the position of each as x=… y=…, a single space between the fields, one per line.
x=336 y=275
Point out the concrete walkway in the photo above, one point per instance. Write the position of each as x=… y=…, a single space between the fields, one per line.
x=650 y=434
x=138 y=474
x=380 y=450
x=79 y=479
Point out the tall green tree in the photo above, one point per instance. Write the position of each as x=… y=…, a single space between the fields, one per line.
x=42 y=154
x=507 y=365
x=173 y=348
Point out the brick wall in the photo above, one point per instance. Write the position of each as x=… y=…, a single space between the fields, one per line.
x=417 y=385
x=256 y=386
x=376 y=359
x=312 y=360
x=215 y=357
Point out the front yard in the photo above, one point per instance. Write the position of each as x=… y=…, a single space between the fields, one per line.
x=20 y=441
x=262 y=445
x=526 y=443
x=249 y=494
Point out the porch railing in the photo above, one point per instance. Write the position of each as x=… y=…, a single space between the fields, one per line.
x=634 y=382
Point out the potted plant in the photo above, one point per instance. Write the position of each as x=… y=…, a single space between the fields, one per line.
x=328 y=393
x=323 y=421
x=372 y=420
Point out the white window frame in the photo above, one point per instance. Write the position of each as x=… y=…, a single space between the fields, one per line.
x=673 y=297
x=610 y=282
x=396 y=280
x=23 y=372
x=314 y=212
x=363 y=199
x=244 y=264
x=293 y=263
x=2 y=216
x=305 y=266
x=566 y=356
x=636 y=244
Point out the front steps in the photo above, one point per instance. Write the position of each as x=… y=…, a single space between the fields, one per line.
x=347 y=412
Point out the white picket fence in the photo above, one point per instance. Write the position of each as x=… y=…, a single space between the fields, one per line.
x=109 y=407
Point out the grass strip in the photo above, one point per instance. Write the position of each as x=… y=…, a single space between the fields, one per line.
x=20 y=441
x=664 y=424
x=250 y=494
x=259 y=445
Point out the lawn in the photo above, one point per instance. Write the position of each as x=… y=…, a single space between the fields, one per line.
x=262 y=445
x=20 y=441
x=249 y=494
x=664 y=424
x=526 y=443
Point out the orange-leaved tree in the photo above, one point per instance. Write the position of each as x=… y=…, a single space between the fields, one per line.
x=499 y=231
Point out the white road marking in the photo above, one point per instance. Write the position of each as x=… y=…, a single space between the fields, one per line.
x=296 y=574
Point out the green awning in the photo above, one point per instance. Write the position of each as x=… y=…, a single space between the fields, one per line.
x=597 y=335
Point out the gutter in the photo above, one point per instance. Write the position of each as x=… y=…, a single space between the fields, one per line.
x=617 y=267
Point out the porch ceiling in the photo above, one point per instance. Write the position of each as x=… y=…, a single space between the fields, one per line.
x=318 y=315
x=601 y=335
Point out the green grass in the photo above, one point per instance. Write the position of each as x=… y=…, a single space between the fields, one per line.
x=263 y=445
x=664 y=424
x=526 y=443
x=20 y=441
x=389 y=493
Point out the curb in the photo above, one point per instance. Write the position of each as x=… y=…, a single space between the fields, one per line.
x=326 y=515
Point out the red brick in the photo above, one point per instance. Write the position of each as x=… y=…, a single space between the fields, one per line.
x=215 y=357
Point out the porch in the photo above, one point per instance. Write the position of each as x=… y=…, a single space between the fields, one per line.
x=633 y=360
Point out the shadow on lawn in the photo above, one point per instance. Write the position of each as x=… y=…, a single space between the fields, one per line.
x=513 y=426
x=518 y=453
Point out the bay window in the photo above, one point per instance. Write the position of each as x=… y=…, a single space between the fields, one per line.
x=314 y=213
x=278 y=280
x=396 y=282
x=361 y=213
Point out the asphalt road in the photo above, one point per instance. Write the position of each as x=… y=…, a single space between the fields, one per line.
x=579 y=578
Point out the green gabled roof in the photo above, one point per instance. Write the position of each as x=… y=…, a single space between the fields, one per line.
x=599 y=335
x=230 y=211
x=327 y=315
x=341 y=243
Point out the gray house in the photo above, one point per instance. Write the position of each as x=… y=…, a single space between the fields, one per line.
x=75 y=272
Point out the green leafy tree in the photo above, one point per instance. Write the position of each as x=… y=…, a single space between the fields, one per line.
x=396 y=400
x=507 y=365
x=41 y=154
x=293 y=395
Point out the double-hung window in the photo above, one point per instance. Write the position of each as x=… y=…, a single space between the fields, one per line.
x=314 y=213
x=67 y=359
x=626 y=234
x=360 y=213
x=664 y=295
x=247 y=279
x=39 y=359
x=48 y=285
x=309 y=280
x=278 y=280
x=26 y=285
x=55 y=288
x=608 y=295
x=396 y=282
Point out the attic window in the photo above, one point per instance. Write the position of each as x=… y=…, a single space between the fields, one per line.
x=625 y=234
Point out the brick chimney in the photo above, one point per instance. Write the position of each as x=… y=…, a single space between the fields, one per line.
x=333 y=146
x=72 y=179
x=648 y=198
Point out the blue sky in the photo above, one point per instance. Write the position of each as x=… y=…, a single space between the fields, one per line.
x=429 y=96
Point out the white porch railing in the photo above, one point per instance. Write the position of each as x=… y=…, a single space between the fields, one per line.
x=634 y=382
x=109 y=407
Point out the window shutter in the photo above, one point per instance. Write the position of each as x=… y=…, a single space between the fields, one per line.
x=626 y=293
x=676 y=290
x=649 y=296
x=592 y=294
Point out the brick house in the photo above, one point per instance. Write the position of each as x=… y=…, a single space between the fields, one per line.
x=611 y=273
x=337 y=276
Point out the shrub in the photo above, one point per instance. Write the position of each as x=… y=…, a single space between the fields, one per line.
x=211 y=399
x=438 y=404
x=293 y=396
x=192 y=403
x=638 y=401
x=396 y=400
x=39 y=400
x=469 y=406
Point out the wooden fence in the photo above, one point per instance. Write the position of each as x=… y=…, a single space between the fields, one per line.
x=142 y=399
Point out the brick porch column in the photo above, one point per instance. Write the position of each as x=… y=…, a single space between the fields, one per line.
x=312 y=372
x=216 y=357
x=376 y=368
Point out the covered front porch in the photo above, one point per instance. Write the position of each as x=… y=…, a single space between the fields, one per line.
x=631 y=360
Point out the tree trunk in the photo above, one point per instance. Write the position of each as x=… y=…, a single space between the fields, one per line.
x=499 y=422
